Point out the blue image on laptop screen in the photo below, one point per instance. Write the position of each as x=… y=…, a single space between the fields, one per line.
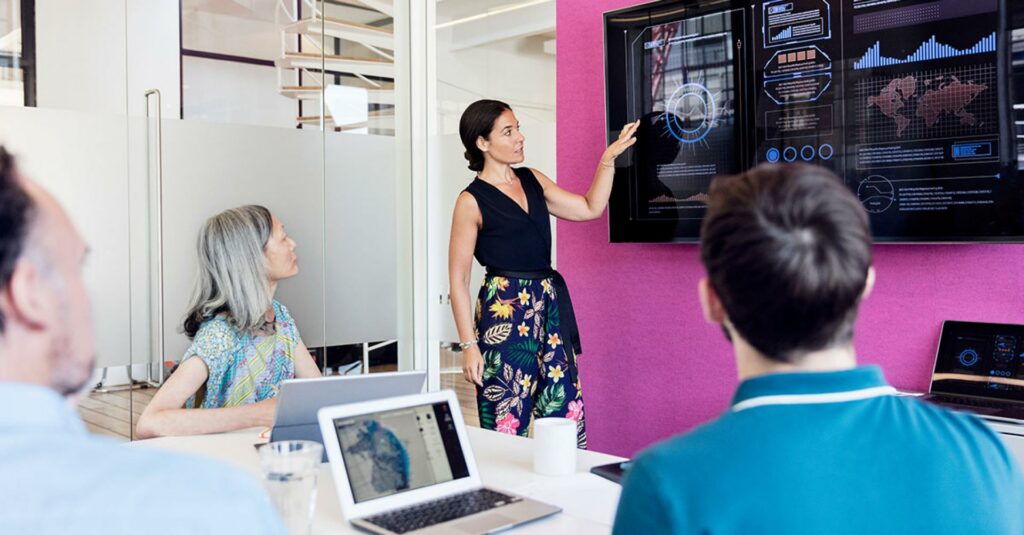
x=399 y=450
x=980 y=359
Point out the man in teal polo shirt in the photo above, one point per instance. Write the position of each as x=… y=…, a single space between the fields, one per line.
x=812 y=443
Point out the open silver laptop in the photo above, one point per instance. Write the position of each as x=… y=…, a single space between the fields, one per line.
x=979 y=367
x=299 y=399
x=404 y=465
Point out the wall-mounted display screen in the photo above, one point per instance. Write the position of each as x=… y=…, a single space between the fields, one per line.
x=908 y=101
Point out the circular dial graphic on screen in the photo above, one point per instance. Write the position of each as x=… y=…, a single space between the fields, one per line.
x=968 y=357
x=690 y=113
x=876 y=194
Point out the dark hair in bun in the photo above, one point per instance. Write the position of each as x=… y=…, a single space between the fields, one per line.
x=478 y=121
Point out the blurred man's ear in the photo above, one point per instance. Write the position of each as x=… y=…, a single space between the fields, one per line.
x=29 y=298
x=714 y=312
x=869 y=284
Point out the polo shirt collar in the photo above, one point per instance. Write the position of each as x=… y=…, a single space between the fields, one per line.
x=24 y=406
x=801 y=388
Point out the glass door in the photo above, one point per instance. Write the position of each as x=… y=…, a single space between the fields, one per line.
x=494 y=49
x=216 y=122
x=367 y=184
x=63 y=116
x=296 y=106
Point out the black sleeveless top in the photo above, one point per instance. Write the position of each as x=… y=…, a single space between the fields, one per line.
x=511 y=239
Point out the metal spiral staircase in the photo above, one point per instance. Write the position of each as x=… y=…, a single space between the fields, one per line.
x=309 y=63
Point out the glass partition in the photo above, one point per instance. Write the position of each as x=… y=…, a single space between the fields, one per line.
x=64 y=119
x=170 y=112
x=367 y=182
x=290 y=105
x=495 y=49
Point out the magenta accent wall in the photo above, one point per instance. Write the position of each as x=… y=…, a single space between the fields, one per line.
x=651 y=366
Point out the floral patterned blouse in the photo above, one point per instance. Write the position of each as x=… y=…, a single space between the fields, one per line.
x=243 y=367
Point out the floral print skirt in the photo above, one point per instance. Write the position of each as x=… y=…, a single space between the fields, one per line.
x=527 y=372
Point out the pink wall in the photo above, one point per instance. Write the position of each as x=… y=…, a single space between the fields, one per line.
x=651 y=367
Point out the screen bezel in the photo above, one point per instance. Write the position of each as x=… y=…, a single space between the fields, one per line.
x=352 y=510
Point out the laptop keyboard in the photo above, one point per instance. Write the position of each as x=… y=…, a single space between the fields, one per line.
x=443 y=510
x=972 y=402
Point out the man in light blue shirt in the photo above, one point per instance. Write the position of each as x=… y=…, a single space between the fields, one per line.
x=812 y=443
x=54 y=476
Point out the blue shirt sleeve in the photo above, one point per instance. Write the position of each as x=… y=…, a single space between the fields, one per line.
x=287 y=322
x=642 y=507
x=208 y=497
x=241 y=507
x=214 y=343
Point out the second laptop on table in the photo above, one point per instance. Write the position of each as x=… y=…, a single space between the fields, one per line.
x=300 y=399
x=404 y=465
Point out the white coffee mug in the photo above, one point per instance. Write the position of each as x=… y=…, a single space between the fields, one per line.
x=554 y=446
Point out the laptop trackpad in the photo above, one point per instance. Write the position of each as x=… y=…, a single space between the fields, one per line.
x=485 y=523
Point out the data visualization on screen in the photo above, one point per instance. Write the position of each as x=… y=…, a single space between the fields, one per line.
x=685 y=78
x=798 y=59
x=923 y=117
x=907 y=101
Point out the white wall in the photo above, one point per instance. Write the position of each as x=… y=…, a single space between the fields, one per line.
x=82 y=159
x=516 y=71
x=92 y=55
x=80 y=55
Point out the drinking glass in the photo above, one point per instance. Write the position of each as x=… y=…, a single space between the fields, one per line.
x=290 y=469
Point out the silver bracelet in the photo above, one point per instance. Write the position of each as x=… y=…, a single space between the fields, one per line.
x=465 y=345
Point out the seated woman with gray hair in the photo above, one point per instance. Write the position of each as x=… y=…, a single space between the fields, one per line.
x=244 y=343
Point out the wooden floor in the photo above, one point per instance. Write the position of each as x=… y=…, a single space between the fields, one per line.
x=114 y=414
x=464 y=390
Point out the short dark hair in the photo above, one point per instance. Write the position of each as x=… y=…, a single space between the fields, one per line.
x=15 y=218
x=787 y=249
x=478 y=121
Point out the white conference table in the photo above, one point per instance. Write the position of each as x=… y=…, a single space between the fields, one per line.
x=505 y=462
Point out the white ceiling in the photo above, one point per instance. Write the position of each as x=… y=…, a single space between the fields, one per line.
x=268 y=10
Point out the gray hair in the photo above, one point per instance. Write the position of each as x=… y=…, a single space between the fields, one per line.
x=233 y=273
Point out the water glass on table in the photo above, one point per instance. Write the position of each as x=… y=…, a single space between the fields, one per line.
x=290 y=471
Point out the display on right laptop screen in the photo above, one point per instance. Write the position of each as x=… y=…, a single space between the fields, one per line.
x=980 y=359
x=909 y=102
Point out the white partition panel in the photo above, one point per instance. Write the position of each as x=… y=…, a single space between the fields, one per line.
x=231 y=92
x=80 y=55
x=211 y=167
x=362 y=244
x=81 y=159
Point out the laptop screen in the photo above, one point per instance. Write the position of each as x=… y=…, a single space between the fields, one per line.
x=980 y=359
x=394 y=451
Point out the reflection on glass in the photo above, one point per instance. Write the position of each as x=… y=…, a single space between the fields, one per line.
x=295 y=65
x=16 y=87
